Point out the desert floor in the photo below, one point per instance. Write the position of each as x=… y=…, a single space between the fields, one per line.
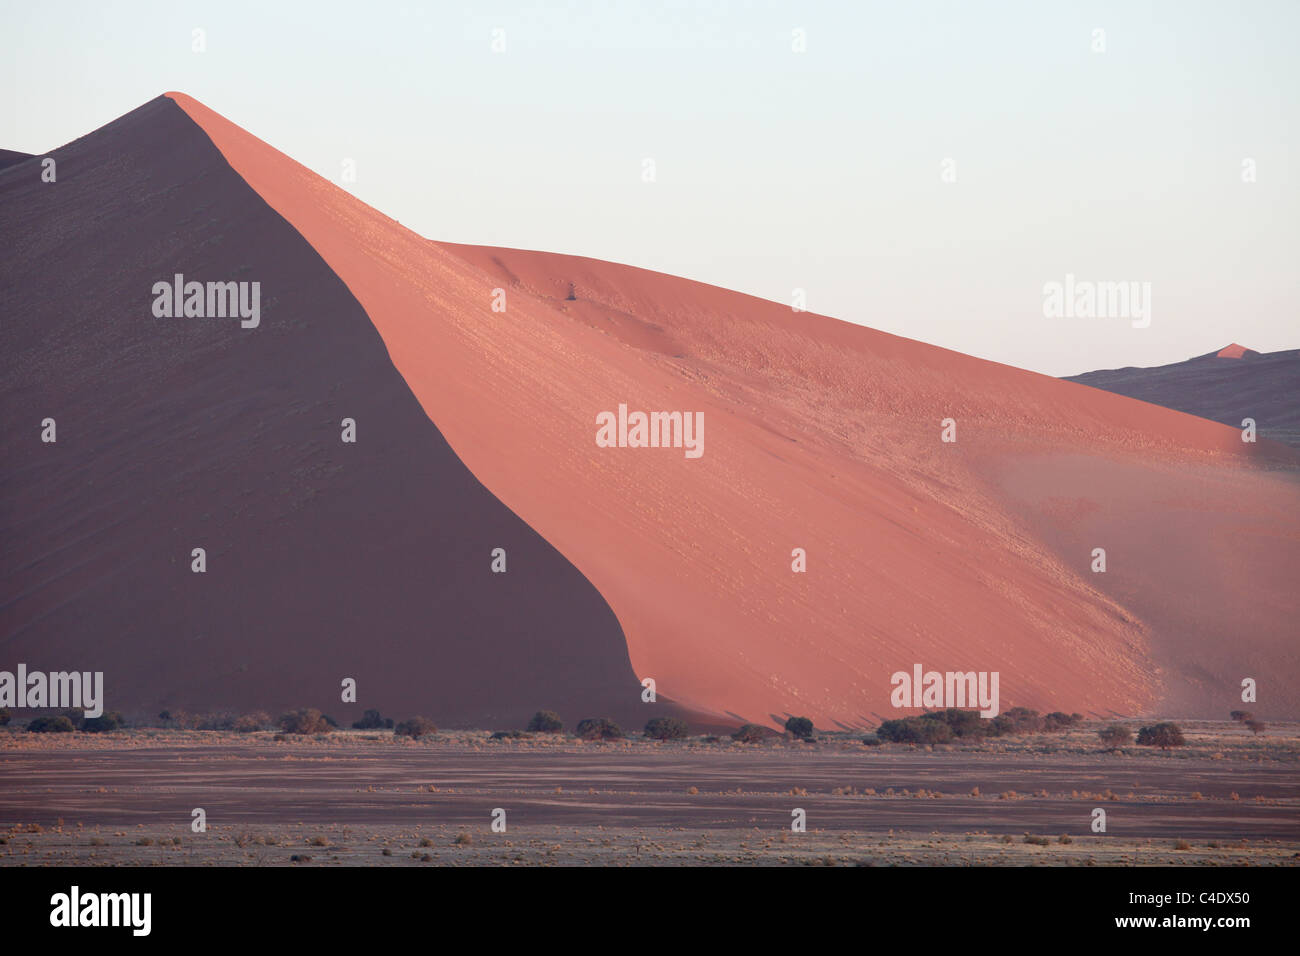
x=367 y=798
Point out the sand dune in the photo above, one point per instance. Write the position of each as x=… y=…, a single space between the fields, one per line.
x=825 y=435
x=324 y=560
x=1226 y=386
x=11 y=157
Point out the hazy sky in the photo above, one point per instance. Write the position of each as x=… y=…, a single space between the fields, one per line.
x=774 y=169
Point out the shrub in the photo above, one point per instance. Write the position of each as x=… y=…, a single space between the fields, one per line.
x=371 y=720
x=665 y=728
x=415 y=728
x=1162 y=735
x=753 y=733
x=508 y=735
x=1017 y=720
x=1241 y=715
x=308 y=720
x=211 y=721
x=599 y=728
x=1256 y=726
x=4 y=716
x=915 y=730
x=1115 y=736
x=249 y=723
x=546 y=722
x=1057 y=721
x=964 y=723
x=103 y=723
x=800 y=727
x=51 y=725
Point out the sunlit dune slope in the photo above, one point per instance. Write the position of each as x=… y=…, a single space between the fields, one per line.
x=825 y=436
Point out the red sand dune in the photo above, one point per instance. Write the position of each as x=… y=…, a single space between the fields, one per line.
x=1234 y=351
x=825 y=435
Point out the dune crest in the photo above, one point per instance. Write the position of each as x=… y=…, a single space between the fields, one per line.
x=1235 y=351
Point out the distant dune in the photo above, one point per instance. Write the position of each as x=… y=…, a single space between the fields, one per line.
x=819 y=435
x=1226 y=386
x=10 y=157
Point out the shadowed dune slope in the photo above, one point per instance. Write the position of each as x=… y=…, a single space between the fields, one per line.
x=325 y=560
x=11 y=157
x=824 y=435
x=1227 y=386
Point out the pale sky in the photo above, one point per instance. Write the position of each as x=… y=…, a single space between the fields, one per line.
x=774 y=169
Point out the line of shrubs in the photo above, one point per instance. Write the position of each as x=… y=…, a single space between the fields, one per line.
x=943 y=726
x=1163 y=735
x=657 y=728
x=308 y=721
x=75 y=720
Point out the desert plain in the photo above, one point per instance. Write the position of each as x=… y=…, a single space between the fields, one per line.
x=370 y=798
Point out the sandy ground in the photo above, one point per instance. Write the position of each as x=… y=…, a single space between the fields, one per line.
x=1226 y=798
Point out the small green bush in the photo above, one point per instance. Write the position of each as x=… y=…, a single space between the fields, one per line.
x=665 y=728
x=415 y=728
x=1058 y=721
x=103 y=723
x=308 y=720
x=1163 y=735
x=598 y=728
x=371 y=720
x=250 y=723
x=546 y=722
x=51 y=725
x=800 y=727
x=1017 y=720
x=1115 y=736
x=915 y=730
x=753 y=733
